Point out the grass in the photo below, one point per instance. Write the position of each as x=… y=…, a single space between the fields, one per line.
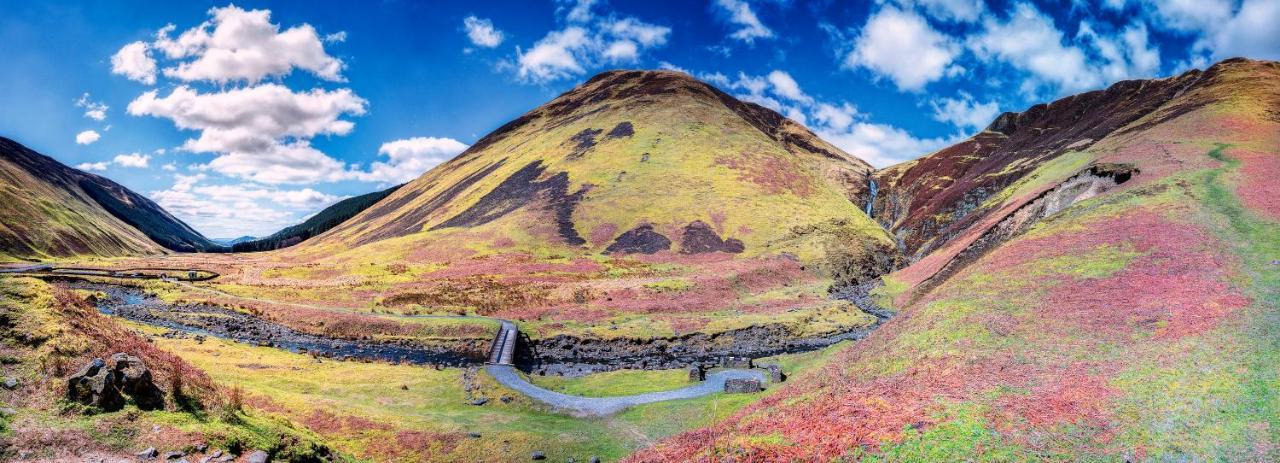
x=411 y=399
x=615 y=383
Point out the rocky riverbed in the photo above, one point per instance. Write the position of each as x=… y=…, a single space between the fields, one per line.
x=212 y=320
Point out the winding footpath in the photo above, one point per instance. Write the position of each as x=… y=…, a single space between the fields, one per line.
x=599 y=406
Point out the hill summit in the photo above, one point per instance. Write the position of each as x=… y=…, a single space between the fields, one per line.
x=636 y=162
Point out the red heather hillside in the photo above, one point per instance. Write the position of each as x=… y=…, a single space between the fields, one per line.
x=1137 y=324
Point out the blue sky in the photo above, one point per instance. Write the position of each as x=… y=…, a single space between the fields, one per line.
x=243 y=118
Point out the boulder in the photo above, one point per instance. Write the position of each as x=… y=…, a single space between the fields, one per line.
x=94 y=385
x=696 y=374
x=741 y=386
x=147 y=454
x=258 y=456
x=134 y=379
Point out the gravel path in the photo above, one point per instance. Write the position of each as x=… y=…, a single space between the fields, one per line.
x=598 y=406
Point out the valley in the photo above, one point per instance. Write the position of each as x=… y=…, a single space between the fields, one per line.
x=612 y=275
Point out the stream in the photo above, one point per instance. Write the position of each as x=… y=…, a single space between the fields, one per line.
x=216 y=321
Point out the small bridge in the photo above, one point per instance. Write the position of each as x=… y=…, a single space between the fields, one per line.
x=503 y=350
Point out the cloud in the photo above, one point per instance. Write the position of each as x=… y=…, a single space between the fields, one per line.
x=95 y=110
x=238 y=209
x=336 y=37
x=839 y=123
x=135 y=63
x=740 y=14
x=570 y=51
x=482 y=33
x=137 y=160
x=87 y=137
x=170 y=167
x=902 y=46
x=91 y=166
x=261 y=133
x=1127 y=55
x=786 y=87
x=1029 y=41
x=240 y=45
x=948 y=10
x=409 y=158
x=555 y=56
x=1190 y=15
x=1252 y=32
x=580 y=11
x=964 y=112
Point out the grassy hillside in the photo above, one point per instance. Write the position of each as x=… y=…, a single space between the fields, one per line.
x=317 y=224
x=50 y=210
x=631 y=162
x=1138 y=324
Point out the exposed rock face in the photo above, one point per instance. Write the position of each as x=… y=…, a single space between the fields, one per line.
x=106 y=387
x=94 y=385
x=927 y=202
x=700 y=238
x=134 y=379
x=641 y=239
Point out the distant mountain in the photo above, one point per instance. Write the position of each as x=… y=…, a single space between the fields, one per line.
x=636 y=162
x=231 y=241
x=50 y=210
x=321 y=222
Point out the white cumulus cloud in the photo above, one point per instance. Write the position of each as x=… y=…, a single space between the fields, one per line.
x=964 y=112
x=739 y=14
x=87 y=137
x=948 y=10
x=134 y=61
x=261 y=133
x=95 y=110
x=91 y=166
x=244 y=45
x=137 y=160
x=902 y=46
x=409 y=158
x=570 y=51
x=482 y=33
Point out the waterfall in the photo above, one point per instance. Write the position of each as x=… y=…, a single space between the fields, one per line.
x=871 y=200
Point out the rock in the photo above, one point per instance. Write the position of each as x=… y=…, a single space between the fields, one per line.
x=94 y=385
x=216 y=453
x=184 y=460
x=257 y=456
x=595 y=459
x=147 y=454
x=206 y=459
x=696 y=374
x=8 y=411
x=538 y=455
x=473 y=435
x=480 y=401
x=174 y=455
x=736 y=362
x=11 y=383
x=134 y=379
x=741 y=386
x=775 y=373
x=201 y=447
